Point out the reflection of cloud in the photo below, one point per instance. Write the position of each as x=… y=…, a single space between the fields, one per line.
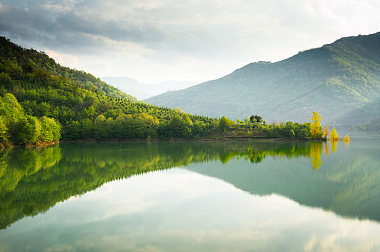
x=177 y=210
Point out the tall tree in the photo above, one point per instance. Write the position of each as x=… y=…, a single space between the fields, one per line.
x=315 y=126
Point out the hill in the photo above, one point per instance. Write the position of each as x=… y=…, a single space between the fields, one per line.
x=338 y=80
x=85 y=106
x=142 y=90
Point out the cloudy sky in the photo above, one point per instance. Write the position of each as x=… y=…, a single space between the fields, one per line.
x=190 y=40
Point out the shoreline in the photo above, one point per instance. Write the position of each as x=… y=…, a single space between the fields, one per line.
x=156 y=140
x=207 y=139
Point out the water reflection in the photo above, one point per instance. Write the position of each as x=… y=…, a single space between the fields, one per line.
x=32 y=181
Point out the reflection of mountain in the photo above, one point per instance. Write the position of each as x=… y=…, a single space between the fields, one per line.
x=32 y=181
x=348 y=184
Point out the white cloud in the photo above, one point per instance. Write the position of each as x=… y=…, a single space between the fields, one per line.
x=192 y=39
x=64 y=59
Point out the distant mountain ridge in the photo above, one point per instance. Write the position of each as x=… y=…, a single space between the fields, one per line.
x=339 y=80
x=142 y=90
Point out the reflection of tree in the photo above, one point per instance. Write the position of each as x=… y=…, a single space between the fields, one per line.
x=315 y=154
x=17 y=166
x=32 y=181
x=334 y=145
x=18 y=163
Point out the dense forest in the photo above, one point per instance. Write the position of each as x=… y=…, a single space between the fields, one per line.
x=84 y=107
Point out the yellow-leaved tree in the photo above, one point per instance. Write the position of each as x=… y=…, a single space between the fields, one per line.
x=334 y=135
x=347 y=138
x=315 y=127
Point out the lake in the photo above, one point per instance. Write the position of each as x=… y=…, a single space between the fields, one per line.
x=192 y=196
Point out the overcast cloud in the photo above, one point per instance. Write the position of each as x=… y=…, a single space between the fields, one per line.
x=193 y=40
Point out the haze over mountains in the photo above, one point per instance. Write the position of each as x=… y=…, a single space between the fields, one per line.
x=142 y=90
x=341 y=81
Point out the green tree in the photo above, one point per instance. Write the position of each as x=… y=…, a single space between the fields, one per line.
x=100 y=125
x=26 y=130
x=180 y=126
x=224 y=124
x=3 y=130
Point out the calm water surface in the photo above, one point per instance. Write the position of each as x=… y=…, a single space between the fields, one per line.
x=222 y=196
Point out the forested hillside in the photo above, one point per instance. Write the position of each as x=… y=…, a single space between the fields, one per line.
x=340 y=80
x=85 y=106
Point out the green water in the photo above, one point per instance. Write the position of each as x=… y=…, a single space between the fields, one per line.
x=212 y=196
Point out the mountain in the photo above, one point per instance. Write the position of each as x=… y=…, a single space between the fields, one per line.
x=144 y=91
x=341 y=81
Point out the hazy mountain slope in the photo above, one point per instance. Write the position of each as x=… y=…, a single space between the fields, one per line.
x=144 y=91
x=335 y=80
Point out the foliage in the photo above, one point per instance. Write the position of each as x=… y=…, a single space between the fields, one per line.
x=256 y=119
x=334 y=135
x=327 y=131
x=180 y=126
x=315 y=126
x=3 y=130
x=346 y=138
x=225 y=124
x=20 y=129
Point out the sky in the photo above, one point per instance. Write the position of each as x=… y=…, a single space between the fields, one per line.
x=184 y=40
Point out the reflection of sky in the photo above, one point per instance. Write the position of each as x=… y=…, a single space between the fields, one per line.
x=178 y=210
